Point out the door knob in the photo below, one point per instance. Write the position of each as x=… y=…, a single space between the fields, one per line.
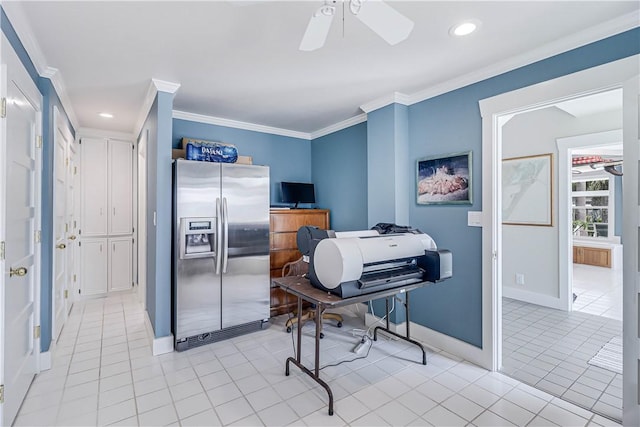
x=61 y=246
x=72 y=237
x=20 y=271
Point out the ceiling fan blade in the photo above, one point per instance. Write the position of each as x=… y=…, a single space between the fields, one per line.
x=385 y=21
x=317 y=31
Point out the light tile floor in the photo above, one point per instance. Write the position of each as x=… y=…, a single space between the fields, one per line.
x=104 y=374
x=549 y=349
x=598 y=290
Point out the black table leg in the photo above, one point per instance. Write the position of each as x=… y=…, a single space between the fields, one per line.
x=408 y=336
x=315 y=375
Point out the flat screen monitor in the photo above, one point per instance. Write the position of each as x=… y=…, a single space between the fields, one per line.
x=297 y=192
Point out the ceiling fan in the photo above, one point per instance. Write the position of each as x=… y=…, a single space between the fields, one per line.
x=381 y=18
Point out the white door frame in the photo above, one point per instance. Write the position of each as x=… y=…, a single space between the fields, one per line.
x=630 y=229
x=141 y=209
x=495 y=112
x=565 y=235
x=35 y=97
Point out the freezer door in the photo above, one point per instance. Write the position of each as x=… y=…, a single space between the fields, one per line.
x=245 y=262
x=196 y=284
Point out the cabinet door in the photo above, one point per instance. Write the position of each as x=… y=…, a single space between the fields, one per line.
x=120 y=187
x=120 y=265
x=93 y=266
x=93 y=179
x=599 y=257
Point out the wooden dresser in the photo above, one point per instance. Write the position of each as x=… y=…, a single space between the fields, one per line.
x=283 y=248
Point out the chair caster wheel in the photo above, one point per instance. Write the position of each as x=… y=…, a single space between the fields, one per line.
x=289 y=329
x=321 y=335
x=339 y=325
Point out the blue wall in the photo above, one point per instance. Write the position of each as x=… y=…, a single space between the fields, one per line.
x=381 y=158
x=159 y=127
x=452 y=123
x=289 y=159
x=339 y=171
x=49 y=100
x=150 y=127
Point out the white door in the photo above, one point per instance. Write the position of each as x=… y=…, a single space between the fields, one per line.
x=142 y=219
x=631 y=263
x=72 y=219
x=120 y=187
x=19 y=223
x=93 y=266
x=61 y=227
x=93 y=158
x=120 y=263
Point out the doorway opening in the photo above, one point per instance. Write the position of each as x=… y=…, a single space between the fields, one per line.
x=570 y=347
x=497 y=112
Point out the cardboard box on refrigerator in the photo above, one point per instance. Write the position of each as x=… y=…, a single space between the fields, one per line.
x=178 y=153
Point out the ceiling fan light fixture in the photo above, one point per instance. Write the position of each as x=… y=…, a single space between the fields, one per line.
x=464 y=28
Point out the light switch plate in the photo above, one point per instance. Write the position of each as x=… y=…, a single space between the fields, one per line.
x=474 y=218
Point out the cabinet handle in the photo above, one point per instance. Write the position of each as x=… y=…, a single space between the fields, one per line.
x=114 y=211
x=114 y=247
x=61 y=246
x=100 y=247
x=72 y=237
x=100 y=211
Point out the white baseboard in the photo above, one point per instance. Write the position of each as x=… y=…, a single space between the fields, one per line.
x=163 y=345
x=159 y=345
x=532 y=298
x=45 y=360
x=438 y=340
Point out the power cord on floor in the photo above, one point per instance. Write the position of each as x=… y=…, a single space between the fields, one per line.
x=362 y=342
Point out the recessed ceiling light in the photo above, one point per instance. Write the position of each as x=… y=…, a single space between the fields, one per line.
x=106 y=115
x=464 y=28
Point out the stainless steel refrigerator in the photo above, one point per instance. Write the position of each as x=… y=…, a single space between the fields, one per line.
x=220 y=268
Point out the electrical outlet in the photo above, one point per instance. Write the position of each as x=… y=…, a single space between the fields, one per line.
x=519 y=279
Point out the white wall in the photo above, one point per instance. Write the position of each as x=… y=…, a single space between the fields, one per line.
x=533 y=250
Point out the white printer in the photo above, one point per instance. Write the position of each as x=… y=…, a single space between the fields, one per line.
x=360 y=262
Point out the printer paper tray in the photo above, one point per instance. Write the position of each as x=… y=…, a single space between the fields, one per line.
x=380 y=278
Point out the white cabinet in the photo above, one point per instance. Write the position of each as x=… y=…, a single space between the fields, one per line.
x=93 y=266
x=120 y=263
x=107 y=187
x=120 y=198
x=106 y=218
x=93 y=181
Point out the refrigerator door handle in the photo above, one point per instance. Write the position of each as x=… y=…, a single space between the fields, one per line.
x=218 y=235
x=225 y=216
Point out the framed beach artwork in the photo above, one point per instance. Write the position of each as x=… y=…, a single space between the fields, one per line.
x=527 y=190
x=444 y=180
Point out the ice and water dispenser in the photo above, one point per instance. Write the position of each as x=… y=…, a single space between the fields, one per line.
x=197 y=238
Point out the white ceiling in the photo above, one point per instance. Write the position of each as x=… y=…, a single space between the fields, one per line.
x=243 y=63
x=593 y=104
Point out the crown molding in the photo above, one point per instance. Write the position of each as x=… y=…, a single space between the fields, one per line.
x=200 y=118
x=23 y=30
x=165 y=86
x=53 y=74
x=339 y=126
x=582 y=38
x=100 y=133
x=21 y=25
x=155 y=86
x=393 y=98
